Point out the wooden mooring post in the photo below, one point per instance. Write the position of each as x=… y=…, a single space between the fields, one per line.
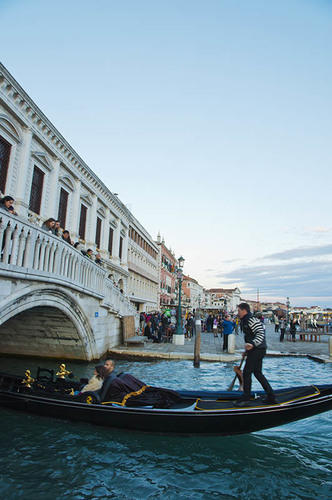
x=198 y=328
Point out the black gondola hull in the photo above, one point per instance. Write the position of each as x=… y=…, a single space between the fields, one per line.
x=183 y=420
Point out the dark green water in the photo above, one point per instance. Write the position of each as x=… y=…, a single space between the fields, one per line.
x=44 y=458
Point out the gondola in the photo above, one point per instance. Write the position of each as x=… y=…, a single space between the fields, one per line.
x=194 y=412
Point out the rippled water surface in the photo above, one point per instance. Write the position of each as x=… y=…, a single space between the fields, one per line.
x=44 y=458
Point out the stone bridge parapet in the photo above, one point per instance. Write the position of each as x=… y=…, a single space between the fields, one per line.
x=62 y=301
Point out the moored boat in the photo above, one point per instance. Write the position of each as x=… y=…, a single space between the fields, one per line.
x=194 y=412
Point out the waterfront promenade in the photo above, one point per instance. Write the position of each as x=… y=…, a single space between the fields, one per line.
x=211 y=348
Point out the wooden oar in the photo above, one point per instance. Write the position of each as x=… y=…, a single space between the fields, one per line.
x=238 y=373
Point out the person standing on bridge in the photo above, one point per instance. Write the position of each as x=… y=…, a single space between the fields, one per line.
x=49 y=225
x=255 y=347
x=6 y=203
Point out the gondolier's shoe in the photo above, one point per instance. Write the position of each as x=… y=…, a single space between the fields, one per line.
x=242 y=402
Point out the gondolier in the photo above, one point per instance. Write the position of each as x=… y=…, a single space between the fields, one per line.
x=255 y=346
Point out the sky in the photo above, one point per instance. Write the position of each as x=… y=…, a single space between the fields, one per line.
x=212 y=120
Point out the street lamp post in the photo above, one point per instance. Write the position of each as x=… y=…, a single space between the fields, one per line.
x=178 y=337
x=287 y=304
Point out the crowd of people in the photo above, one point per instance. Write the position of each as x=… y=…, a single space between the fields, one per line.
x=281 y=325
x=53 y=226
x=159 y=326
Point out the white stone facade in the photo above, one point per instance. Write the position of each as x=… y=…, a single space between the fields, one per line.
x=67 y=188
x=225 y=298
x=194 y=293
x=143 y=266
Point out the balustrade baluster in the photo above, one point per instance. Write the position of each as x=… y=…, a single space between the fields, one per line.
x=57 y=262
x=87 y=275
x=83 y=280
x=74 y=271
x=21 y=245
x=2 y=229
x=36 y=253
x=42 y=254
x=14 y=249
x=92 y=282
x=28 y=250
x=8 y=241
x=51 y=258
x=46 y=255
x=65 y=265
x=71 y=266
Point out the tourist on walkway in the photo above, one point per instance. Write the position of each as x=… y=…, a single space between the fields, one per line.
x=237 y=325
x=283 y=324
x=255 y=348
x=215 y=327
x=292 y=329
x=6 y=203
x=276 y=324
x=209 y=323
x=142 y=321
x=228 y=326
x=190 y=326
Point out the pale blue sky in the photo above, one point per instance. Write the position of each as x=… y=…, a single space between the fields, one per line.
x=210 y=118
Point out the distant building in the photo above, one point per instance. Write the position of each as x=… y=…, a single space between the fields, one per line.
x=225 y=298
x=143 y=267
x=193 y=293
x=168 y=284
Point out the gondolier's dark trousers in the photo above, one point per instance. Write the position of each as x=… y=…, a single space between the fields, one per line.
x=253 y=366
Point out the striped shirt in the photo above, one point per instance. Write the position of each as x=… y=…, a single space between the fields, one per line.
x=254 y=331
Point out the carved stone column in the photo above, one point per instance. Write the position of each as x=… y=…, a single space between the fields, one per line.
x=91 y=229
x=24 y=179
x=54 y=191
x=105 y=235
x=116 y=241
x=74 y=220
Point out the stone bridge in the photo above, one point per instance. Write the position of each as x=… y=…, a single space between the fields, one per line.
x=54 y=301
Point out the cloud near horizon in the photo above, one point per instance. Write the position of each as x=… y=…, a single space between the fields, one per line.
x=299 y=272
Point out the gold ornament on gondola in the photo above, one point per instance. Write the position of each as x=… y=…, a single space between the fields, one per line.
x=62 y=373
x=28 y=379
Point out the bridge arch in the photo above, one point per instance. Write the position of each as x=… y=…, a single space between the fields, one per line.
x=46 y=321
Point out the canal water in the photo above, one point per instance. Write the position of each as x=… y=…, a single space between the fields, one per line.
x=44 y=458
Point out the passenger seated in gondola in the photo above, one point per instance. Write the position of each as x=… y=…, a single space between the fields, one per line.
x=95 y=383
x=127 y=390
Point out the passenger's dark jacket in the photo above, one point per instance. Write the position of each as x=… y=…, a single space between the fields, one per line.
x=253 y=331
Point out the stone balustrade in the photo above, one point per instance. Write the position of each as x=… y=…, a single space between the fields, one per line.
x=29 y=252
